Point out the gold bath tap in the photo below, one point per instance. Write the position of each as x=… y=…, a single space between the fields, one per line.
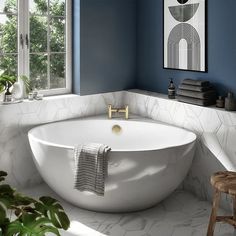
x=118 y=110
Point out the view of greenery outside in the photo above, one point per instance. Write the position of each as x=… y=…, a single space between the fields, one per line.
x=47 y=41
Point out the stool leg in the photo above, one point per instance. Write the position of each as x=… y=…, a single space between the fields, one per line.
x=212 y=222
x=234 y=209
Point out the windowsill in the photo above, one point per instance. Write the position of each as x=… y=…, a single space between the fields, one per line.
x=45 y=98
x=53 y=97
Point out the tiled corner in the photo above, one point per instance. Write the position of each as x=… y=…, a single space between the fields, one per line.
x=215 y=128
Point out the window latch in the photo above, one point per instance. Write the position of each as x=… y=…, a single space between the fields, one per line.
x=27 y=41
x=21 y=41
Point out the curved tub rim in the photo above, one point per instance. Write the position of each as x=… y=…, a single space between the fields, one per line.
x=52 y=144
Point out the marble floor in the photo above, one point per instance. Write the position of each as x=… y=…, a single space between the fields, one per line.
x=181 y=214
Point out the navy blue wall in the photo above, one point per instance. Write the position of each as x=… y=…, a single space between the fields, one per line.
x=107 y=45
x=76 y=47
x=221 y=47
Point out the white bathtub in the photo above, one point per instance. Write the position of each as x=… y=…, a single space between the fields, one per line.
x=147 y=162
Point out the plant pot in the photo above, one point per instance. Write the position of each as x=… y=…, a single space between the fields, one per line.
x=17 y=90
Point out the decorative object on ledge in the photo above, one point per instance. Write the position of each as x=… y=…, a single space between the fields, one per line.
x=6 y=82
x=230 y=102
x=31 y=96
x=18 y=90
x=220 y=102
x=35 y=95
x=39 y=96
x=171 y=90
x=185 y=35
x=198 y=92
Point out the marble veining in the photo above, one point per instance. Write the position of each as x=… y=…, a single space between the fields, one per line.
x=216 y=130
x=181 y=214
x=17 y=119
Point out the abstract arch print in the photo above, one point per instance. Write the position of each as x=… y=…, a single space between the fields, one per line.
x=184 y=34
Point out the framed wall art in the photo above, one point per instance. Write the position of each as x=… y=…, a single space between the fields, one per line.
x=185 y=35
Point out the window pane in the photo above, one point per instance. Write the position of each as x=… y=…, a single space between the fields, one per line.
x=8 y=6
x=38 y=34
x=57 y=7
x=57 y=71
x=8 y=33
x=8 y=64
x=38 y=71
x=57 y=34
x=39 y=7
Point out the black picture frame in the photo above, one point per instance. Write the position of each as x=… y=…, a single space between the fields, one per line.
x=206 y=41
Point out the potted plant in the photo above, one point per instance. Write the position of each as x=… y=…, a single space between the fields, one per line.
x=6 y=82
x=21 y=215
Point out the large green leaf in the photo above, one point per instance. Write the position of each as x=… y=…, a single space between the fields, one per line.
x=6 y=81
x=54 y=211
x=6 y=189
x=33 y=218
x=30 y=224
x=21 y=200
x=3 y=174
x=6 y=195
x=2 y=215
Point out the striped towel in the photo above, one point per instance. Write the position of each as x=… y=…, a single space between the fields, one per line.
x=91 y=167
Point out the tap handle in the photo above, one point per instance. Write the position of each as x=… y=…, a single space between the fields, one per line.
x=109 y=111
x=126 y=112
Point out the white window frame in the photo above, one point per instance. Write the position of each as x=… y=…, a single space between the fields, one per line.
x=24 y=53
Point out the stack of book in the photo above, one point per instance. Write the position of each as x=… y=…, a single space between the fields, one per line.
x=198 y=92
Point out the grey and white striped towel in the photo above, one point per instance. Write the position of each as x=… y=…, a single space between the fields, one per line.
x=91 y=167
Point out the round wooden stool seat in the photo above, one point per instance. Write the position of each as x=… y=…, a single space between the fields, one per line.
x=224 y=181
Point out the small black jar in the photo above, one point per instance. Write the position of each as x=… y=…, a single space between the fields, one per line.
x=171 y=90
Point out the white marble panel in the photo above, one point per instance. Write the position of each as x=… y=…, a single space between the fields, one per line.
x=17 y=119
x=216 y=130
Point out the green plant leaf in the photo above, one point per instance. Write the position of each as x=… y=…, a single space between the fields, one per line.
x=27 y=83
x=14 y=228
x=6 y=195
x=3 y=174
x=33 y=218
x=2 y=215
x=7 y=81
x=30 y=224
x=6 y=189
x=20 y=200
x=54 y=211
x=49 y=229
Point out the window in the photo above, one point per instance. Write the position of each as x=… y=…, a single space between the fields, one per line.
x=35 y=40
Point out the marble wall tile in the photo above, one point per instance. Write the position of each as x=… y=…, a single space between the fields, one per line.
x=17 y=119
x=215 y=129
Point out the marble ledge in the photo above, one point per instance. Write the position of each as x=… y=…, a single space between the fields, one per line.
x=165 y=97
x=215 y=128
x=58 y=97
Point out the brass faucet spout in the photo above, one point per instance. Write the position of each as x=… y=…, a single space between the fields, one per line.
x=118 y=110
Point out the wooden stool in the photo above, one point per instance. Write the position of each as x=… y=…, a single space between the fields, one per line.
x=223 y=182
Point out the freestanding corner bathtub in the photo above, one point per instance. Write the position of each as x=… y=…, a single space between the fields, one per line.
x=147 y=161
